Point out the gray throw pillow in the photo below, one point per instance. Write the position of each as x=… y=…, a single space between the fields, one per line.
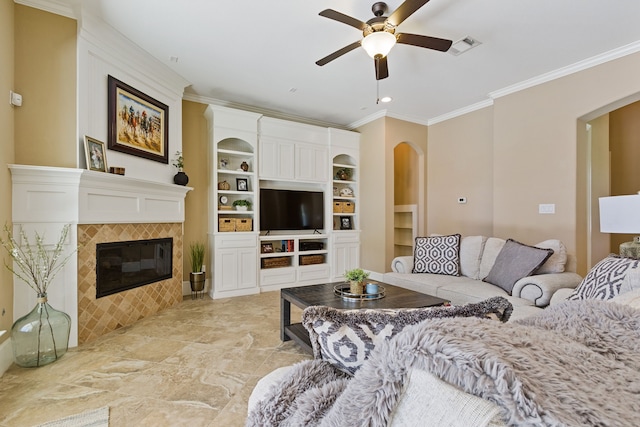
x=345 y=338
x=604 y=279
x=437 y=255
x=515 y=261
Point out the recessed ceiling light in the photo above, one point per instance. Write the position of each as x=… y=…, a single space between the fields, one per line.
x=386 y=99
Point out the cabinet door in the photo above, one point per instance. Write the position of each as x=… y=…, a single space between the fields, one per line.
x=226 y=269
x=346 y=256
x=268 y=158
x=276 y=159
x=311 y=163
x=247 y=268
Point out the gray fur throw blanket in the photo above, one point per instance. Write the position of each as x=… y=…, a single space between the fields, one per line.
x=575 y=364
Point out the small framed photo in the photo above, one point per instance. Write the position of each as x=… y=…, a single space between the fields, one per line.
x=242 y=184
x=266 y=248
x=345 y=223
x=96 y=154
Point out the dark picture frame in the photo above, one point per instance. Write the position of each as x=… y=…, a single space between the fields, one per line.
x=242 y=184
x=345 y=223
x=266 y=248
x=95 y=154
x=138 y=124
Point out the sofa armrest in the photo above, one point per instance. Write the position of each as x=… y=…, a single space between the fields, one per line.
x=561 y=295
x=402 y=264
x=540 y=288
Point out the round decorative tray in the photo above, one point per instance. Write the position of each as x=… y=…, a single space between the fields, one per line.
x=344 y=288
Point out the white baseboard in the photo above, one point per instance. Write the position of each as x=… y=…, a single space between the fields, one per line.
x=6 y=356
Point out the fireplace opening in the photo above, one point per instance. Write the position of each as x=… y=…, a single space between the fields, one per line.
x=126 y=265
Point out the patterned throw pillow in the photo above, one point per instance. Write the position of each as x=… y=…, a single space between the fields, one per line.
x=345 y=338
x=604 y=280
x=437 y=255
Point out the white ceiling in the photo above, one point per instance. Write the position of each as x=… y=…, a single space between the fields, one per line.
x=262 y=53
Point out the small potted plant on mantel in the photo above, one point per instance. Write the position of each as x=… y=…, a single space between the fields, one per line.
x=356 y=278
x=180 y=178
x=197 y=276
x=242 y=205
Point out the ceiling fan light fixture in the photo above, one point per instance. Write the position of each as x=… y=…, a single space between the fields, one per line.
x=378 y=43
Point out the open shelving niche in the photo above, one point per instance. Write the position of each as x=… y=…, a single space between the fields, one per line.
x=345 y=194
x=230 y=154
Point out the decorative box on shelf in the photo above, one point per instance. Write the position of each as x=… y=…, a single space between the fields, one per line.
x=226 y=224
x=283 y=261
x=244 y=224
x=344 y=207
x=311 y=259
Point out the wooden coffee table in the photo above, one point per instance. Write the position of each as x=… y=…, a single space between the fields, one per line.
x=305 y=296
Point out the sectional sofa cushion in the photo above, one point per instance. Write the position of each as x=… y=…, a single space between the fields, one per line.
x=605 y=278
x=556 y=262
x=515 y=261
x=345 y=338
x=437 y=255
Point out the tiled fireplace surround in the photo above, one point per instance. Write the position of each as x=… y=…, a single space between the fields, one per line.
x=101 y=208
x=96 y=317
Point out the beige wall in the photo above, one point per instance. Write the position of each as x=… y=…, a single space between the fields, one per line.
x=624 y=140
x=378 y=140
x=6 y=154
x=196 y=161
x=535 y=150
x=45 y=64
x=460 y=164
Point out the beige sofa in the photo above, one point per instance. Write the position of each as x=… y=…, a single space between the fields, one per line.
x=477 y=256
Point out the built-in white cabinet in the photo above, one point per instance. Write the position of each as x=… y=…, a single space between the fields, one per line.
x=234 y=264
x=292 y=151
x=249 y=152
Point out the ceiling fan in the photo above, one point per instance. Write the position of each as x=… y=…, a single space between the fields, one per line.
x=379 y=34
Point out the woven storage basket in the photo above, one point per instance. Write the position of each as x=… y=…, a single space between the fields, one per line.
x=283 y=261
x=348 y=207
x=244 y=224
x=311 y=259
x=226 y=224
x=337 y=207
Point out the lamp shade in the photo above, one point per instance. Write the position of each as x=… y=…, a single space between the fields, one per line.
x=378 y=43
x=620 y=214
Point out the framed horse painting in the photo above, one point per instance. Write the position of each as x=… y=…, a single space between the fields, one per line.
x=138 y=124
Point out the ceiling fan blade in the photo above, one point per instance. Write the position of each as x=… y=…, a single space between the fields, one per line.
x=382 y=71
x=405 y=10
x=345 y=19
x=338 y=53
x=434 y=43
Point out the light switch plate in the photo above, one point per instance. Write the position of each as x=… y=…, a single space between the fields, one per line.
x=548 y=208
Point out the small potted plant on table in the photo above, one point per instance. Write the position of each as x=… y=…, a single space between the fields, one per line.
x=356 y=278
x=197 y=276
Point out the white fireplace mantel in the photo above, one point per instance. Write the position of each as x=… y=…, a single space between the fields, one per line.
x=79 y=196
x=46 y=198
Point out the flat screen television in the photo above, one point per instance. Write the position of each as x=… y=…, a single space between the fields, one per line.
x=291 y=210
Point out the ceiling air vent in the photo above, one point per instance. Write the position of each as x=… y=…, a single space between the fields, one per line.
x=461 y=46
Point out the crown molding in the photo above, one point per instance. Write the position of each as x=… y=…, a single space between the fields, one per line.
x=188 y=96
x=52 y=6
x=570 y=69
x=461 y=111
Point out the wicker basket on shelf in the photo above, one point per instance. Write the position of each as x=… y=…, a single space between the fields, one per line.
x=226 y=224
x=244 y=224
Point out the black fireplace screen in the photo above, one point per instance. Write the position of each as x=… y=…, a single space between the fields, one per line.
x=127 y=265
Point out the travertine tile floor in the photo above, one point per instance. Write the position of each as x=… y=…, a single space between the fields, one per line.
x=194 y=364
